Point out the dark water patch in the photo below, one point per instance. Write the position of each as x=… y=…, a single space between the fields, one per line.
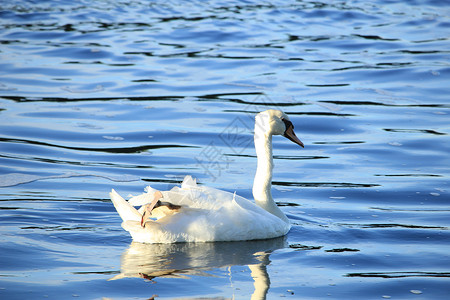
x=399 y=274
x=97 y=272
x=394 y=226
x=340 y=250
x=259 y=101
x=297 y=157
x=429 y=131
x=372 y=103
x=408 y=175
x=63 y=99
x=325 y=184
x=328 y=85
x=304 y=247
x=171 y=181
x=330 y=114
x=281 y=204
x=58 y=228
x=376 y=37
x=9 y=208
x=340 y=143
x=136 y=149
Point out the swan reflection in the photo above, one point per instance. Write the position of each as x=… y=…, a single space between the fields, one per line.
x=182 y=259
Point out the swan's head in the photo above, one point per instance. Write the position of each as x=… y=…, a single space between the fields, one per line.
x=275 y=122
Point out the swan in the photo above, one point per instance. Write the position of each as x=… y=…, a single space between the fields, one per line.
x=195 y=213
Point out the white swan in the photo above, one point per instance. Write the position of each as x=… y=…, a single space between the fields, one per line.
x=193 y=213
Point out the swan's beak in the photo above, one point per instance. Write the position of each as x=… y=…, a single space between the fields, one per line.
x=290 y=134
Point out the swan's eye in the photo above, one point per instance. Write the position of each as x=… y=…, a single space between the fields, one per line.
x=287 y=123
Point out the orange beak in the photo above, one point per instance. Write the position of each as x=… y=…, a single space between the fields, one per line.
x=290 y=134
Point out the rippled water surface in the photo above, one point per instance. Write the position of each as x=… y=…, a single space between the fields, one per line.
x=108 y=94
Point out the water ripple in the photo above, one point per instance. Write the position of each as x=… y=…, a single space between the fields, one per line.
x=108 y=94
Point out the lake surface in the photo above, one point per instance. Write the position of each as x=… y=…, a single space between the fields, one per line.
x=96 y=95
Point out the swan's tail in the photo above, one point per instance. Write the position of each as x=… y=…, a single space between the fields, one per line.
x=126 y=211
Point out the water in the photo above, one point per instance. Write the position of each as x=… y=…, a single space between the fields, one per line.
x=97 y=95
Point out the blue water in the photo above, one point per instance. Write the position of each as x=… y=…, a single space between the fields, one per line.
x=108 y=94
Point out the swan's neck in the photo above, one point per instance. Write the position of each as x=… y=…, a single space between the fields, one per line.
x=263 y=178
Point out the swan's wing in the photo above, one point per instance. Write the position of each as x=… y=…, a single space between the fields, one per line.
x=198 y=197
x=144 y=198
x=126 y=211
x=189 y=195
x=172 y=195
x=188 y=182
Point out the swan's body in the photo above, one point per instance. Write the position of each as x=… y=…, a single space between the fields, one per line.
x=196 y=213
